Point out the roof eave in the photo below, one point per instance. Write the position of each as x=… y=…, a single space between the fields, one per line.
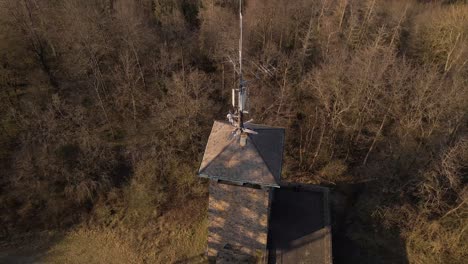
x=276 y=185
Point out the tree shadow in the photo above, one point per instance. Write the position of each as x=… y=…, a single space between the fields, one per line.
x=197 y=259
x=28 y=248
x=354 y=239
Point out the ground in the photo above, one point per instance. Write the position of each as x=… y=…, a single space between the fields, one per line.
x=178 y=236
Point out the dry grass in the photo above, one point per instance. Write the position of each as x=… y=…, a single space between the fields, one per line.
x=92 y=246
x=177 y=236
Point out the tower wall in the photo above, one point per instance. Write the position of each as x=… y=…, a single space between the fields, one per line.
x=238 y=219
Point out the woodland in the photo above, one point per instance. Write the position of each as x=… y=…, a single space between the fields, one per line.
x=106 y=107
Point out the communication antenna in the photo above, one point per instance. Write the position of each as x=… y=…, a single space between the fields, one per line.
x=241 y=81
x=239 y=103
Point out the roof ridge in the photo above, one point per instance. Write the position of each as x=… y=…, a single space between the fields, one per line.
x=214 y=158
x=219 y=153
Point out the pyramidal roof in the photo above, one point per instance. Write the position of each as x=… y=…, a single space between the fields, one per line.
x=258 y=162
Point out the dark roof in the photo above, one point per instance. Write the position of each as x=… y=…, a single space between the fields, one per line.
x=299 y=226
x=258 y=162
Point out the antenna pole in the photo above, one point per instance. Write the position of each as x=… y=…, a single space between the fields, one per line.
x=241 y=81
x=240 y=39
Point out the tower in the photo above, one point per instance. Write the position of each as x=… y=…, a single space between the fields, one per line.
x=243 y=162
x=253 y=216
x=241 y=181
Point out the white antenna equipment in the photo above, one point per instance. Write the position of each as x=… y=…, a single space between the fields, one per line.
x=239 y=95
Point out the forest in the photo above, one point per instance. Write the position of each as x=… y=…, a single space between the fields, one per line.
x=106 y=107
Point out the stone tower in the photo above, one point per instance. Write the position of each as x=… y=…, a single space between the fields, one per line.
x=242 y=176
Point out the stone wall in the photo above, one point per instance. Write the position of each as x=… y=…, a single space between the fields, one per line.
x=238 y=219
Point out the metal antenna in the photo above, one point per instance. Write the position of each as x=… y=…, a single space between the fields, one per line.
x=242 y=98
x=239 y=105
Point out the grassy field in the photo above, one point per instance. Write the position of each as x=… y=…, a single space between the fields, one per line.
x=172 y=238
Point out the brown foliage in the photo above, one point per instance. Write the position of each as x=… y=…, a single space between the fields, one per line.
x=106 y=107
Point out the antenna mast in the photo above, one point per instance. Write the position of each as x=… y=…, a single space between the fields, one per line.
x=239 y=102
x=242 y=99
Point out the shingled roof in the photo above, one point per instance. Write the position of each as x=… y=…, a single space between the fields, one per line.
x=258 y=162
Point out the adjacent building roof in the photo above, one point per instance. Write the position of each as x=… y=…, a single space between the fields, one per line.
x=299 y=227
x=258 y=162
